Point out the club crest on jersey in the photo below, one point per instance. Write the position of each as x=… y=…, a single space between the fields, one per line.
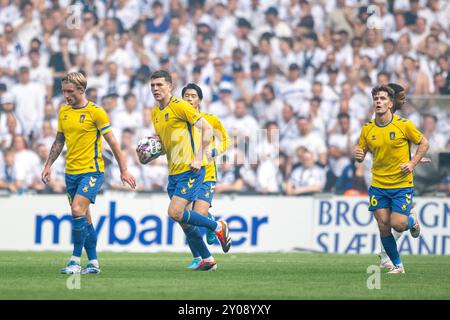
x=166 y=116
x=373 y=137
x=392 y=135
x=65 y=117
x=82 y=117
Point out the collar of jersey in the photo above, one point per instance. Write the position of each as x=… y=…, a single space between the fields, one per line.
x=81 y=107
x=375 y=121
x=170 y=100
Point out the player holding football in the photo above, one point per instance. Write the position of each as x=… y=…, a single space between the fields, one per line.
x=193 y=94
x=183 y=130
x=388 y=138
x=80 y=126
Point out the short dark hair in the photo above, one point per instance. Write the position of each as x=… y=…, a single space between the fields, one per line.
x=388 y=90
x=195 y=87
x=162 y=74
x=399 y=94
x=342 y=115
x=270 y=123
x=430 y=115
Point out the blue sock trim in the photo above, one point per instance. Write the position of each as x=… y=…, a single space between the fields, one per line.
x=390 y=246
x=186 y=216
x=411 y=222
x=196 y=219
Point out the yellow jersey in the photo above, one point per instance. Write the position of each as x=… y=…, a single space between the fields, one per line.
x=390 y=147
x=82 y=129
x=174 y=124
x=221 y=146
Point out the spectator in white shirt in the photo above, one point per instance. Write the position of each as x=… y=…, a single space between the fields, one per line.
x=224 y=107
x=310 y=140
x=11 y=177
x=295 y=90
x=115 y=81
x=8 y=12
x=130 y=117
x=113 y=53
x=288 y=127
x=25 y=158
x=268 y=173
x=28 y=26
x=141 y=88
x=429 y=129
x=30 y=100
x=267 y=107
x=307 y=178
x=47 y=135
x=241 y=124
x=340 y=150
x=40 y=74
x=8 y=63
x=98 y=78
x=241 y=39
x=275 y=25
x=7 y=110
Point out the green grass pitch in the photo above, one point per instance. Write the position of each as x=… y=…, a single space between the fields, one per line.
x=161 y=276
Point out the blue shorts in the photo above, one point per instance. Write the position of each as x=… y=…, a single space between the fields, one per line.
x=399 y=199
x=85 y=184
x=206 y=191
x=186 y=185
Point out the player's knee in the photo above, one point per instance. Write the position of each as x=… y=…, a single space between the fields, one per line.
x=384 y=224
x=78 y=211
x=175 y=214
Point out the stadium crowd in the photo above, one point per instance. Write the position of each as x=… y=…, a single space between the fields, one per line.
x=290 y=79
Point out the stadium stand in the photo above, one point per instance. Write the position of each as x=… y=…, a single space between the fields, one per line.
x=301 y=69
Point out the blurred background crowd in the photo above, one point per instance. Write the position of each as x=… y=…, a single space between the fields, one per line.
x=290 y=80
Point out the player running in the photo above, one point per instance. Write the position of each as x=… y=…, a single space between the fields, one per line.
x=399 y=101
x=193 y=94
x=185 y=136
x=81 y=123
x=388 y=138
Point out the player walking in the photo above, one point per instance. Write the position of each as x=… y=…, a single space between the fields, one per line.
x=81 y=123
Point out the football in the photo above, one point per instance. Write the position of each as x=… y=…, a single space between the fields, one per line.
x=149 y=148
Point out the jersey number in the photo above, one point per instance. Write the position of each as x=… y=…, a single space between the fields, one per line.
x=373 y=201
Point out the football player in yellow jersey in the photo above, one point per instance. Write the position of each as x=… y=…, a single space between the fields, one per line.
x=399 y=101
x=193 y=94
x=185 y=136
x=81 y=124
x=388 y=138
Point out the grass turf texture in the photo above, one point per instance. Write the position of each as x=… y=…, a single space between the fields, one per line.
x=35 y=275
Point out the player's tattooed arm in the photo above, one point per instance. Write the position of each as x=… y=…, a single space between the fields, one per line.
x=56 y=149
